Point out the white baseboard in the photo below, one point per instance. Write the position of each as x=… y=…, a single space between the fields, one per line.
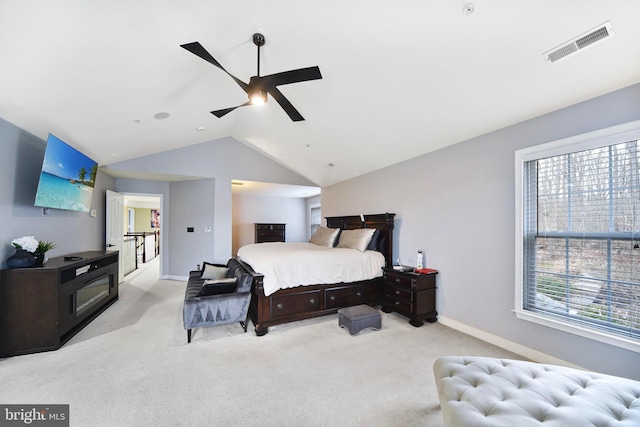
x=527 y=352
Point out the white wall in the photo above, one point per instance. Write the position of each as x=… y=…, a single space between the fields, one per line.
x=249 y=209
x=457 y=205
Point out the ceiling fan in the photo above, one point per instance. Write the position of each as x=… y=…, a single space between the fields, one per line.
x=258 y=85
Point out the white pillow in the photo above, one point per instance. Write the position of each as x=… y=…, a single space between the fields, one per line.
x=356 y=239
x=324 y=236
x=213 y=272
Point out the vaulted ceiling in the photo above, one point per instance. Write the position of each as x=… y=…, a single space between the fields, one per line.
x=399 y=78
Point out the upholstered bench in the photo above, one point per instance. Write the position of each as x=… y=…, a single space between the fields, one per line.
x=358 y=318
x=482 y=391
x=217 y=295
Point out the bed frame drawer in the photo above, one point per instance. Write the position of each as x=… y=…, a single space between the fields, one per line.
x=344 y=296
x=283 y=305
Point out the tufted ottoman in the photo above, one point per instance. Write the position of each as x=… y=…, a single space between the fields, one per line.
x=482 y=391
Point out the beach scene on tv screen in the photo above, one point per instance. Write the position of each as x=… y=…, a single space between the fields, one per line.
x=67 y=178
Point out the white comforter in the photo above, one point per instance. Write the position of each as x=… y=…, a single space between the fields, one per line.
x=286 y=265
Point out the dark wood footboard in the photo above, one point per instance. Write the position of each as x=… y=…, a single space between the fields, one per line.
x=306 y=302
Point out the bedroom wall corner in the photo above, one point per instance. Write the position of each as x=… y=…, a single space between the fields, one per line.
x=463 y=218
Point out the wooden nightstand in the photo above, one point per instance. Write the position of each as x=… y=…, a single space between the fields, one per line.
x=410 y=294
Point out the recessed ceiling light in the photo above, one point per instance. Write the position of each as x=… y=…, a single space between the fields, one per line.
x=161 y=116
x=468 y=9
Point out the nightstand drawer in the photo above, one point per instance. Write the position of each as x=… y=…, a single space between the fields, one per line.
x=398 y=293
x=398 y=279
x=399 y=305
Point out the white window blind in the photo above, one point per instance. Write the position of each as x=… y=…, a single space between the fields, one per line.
x=316 y=218
x=581 y=231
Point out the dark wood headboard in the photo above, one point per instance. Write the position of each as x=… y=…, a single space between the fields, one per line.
x=383 y=222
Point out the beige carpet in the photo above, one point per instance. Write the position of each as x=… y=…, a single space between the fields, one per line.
x=132 y=366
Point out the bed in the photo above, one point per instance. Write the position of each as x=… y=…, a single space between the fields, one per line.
x=271 y=307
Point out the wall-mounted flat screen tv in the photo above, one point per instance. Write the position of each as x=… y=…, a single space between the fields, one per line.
x=67 y=178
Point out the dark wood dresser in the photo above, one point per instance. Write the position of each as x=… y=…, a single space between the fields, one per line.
x=410 y=294
x=269 y=232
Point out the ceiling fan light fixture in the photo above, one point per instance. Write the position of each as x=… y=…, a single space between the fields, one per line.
x=258 y=97
x=258 y=85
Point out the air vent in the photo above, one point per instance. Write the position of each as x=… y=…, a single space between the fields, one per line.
x=587 y=39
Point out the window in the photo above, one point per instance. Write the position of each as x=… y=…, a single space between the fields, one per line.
x=578 y=235
x=315 y=218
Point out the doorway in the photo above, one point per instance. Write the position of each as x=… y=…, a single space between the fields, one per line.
x=142 y=231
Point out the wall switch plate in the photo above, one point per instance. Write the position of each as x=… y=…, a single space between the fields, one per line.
x=93 y=213
x=207 y=229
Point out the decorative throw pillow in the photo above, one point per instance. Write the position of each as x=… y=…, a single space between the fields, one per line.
x=217 y=287
x=373 y=244
x=324 y=236
x=212 y=271
x=356 y=239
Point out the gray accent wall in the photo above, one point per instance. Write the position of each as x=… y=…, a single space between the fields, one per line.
x=20 y=164
x=457 y=205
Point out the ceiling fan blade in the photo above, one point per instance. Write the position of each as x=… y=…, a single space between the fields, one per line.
x=220 y=113
x=293 y=76
x=285 y=104
x=197 y=49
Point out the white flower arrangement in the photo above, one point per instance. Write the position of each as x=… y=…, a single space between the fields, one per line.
x=28 y=243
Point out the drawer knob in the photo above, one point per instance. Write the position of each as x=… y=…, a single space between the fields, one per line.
x=359 y=294
x=397 y=292
x=312 y=301
x=397 y=280
x=279 y=306
x=397 y=302
x=332 y=298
